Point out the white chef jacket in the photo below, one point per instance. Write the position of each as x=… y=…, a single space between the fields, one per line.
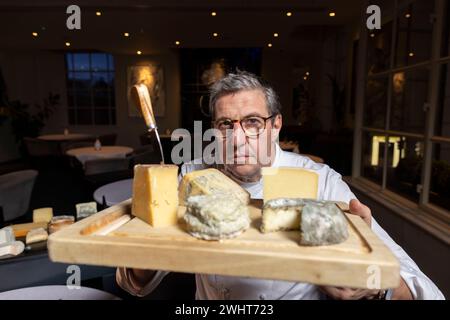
x=331 y=187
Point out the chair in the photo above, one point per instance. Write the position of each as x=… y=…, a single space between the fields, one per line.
x=57 y=292
x=41 y=148
x=108 y=139
x=144 y=155
x=15 y=193
x=97 y=166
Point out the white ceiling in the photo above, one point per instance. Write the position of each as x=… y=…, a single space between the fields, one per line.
x=154 y=26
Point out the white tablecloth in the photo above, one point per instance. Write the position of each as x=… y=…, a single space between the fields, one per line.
x=106 y=152
x=65 y=137
x=114 y=192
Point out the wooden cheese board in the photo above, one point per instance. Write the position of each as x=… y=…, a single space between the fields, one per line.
x=113 y=237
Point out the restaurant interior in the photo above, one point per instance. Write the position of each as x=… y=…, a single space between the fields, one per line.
x=373 y=104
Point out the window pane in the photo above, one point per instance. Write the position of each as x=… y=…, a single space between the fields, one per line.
x=376 y=102
x=101 y=116
x=110 y=80
x=99 y=62
x=110 y=62
x=372 y=156
x=83 y=98
x=409 y=94
x=99 y=80
x=72 y=118
x=82 y=80
x=81 y=61
x=414 y=29
x=440 y=176
x=70 y=98
x=69 y=61
x=404 y=166
x=101 y=98
x=379 y=49
x=443 y=108
x=113 y=116
x=84 y=116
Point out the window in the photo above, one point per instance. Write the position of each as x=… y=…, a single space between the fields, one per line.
x=90 y=88
x=405 y=124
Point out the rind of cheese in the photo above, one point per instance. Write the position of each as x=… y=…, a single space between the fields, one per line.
x=320 y=222
x=7 y=236
x=289 y=182
x=155 y=194
x=36 y=235
x=42 y=215
x=208 y=182
x=216 y=217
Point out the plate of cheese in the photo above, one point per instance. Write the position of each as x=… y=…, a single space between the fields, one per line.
x=208 y=224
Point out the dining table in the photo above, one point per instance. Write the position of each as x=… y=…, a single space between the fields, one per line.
x=66 y=137
x=105 y=152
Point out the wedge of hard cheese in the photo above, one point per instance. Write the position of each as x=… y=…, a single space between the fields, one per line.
x=208 y=182
x=289 y=182
x=155 y=194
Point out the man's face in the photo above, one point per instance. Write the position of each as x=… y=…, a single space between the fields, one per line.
x=247 y=154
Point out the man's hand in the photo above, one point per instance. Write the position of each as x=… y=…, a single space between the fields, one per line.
x=361 y=210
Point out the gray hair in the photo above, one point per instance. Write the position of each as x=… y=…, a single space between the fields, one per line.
x=240 y=81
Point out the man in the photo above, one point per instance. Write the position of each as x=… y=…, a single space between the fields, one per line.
x=247 y=111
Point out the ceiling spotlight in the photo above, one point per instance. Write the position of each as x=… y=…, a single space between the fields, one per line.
x=35 y=34
x=177 y=43
x=307 y=73
x=305 y=78
x=126 y=34
x=289 y=14
x=67 y=44
x=269 y=45
x=275 y=35
x=213 y=13
x=139 y=52
x=411 y=54
x=215 y=34
x=332 y=14
x=372 y=35
x=408 y=15
x=98 y=13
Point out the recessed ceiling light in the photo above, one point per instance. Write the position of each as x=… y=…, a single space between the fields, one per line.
x=411 y=54
x=139 y=52
x=307 y=73
x=98 y=13
x=35 y=34
x=215 y=34
x=408 y=15
x=289 y=13
x=332 y=14
x=372 y=35
x=177 y=43
x=214 y=13
x=305 y=78
x=275 y=35
x=126 y=34
x=67 y=44
x=269 y=45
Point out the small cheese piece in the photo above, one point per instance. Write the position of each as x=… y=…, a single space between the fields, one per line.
x=86 y=209
x=208 y=182
x=287 y=182
x=155 y=194
x=60 y=222
x=21 y=230
x=36 y=235
x=7 y=236
x=320 y=222
x=42 y=215
x=216 y=217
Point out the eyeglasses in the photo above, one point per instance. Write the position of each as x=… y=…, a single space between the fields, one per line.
x=252 y=126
